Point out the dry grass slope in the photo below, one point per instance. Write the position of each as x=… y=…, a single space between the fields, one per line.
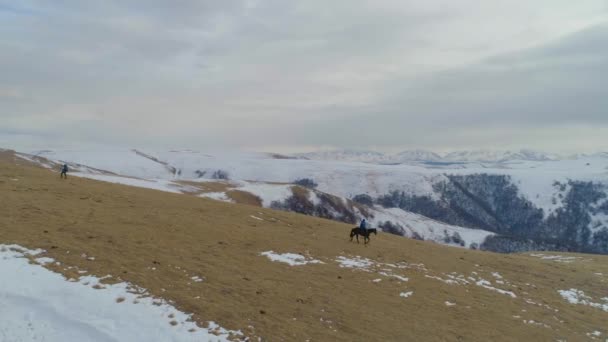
x=129 y=231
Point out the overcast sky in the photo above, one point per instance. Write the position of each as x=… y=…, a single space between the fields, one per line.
x=300 y=75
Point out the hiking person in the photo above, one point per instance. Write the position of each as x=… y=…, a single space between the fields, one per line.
x=64 y=171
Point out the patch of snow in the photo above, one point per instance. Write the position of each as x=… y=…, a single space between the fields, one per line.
x=532 y=322
x=197 y=279
x=496 y=275
x=447 y=281
x=574 y=296
x=449 y=303
x=154 y=184
x=120 y=161
x=599 y=220
x=38 y=304
x=256 y=218
x=557 y=258
x=218 y=196
x=403 y=279
x=268 y=193
x=377 y=280
x=418 y=225
x=459 y=278
x=290 y=258
x=44 y=260
x=406 y=294
x=22 y=250
x=313 y=198
x=487 y=285
x=356 y=262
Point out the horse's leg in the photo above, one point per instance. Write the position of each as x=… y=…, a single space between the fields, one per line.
x=357 y=235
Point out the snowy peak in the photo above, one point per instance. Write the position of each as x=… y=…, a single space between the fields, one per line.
x=421 y=156
x=416 y=155
x=372 y=156
x=345 y=155
x=498 y=156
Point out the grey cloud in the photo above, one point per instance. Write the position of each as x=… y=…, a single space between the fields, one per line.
x=348 y=73
x=555 y=85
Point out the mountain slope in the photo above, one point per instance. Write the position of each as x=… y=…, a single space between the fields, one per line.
x=290 y=197
x=535 y=205
x=160 y=241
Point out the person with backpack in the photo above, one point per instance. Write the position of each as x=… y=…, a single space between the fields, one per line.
x=64 y=171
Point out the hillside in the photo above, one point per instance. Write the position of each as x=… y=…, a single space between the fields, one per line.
x=219 y=185
x=529 y=199
x=394 y=289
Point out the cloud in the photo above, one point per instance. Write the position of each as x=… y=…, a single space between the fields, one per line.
x=553 y=87
x=311 y=73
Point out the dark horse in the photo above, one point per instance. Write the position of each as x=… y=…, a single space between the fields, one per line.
x=355 y=232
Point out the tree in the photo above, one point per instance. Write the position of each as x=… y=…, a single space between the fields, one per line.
x=306 y=182
x=364 y=199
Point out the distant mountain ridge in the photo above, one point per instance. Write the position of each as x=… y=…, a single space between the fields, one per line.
x=345 y=155
x=418 y=155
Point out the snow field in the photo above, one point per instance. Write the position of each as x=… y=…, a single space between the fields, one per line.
x=40 y=305
x=574 y=296
x=291 y=259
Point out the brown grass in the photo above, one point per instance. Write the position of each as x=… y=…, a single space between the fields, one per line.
x=128 y=230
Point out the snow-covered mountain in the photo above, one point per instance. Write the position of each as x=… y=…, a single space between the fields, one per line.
x=560 y=204
x=345 y=155
x=372 y=156
x=498 y=156
x=416 y=156
x=192 y=172
x=424 y=156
